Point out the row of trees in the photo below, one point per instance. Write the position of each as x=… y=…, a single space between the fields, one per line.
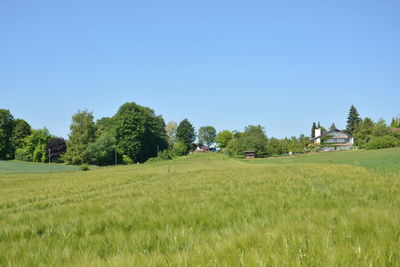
x=135 y=134
x=19 y=141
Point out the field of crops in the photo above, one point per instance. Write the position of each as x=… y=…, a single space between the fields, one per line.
x=206 y=209
x=7 y=167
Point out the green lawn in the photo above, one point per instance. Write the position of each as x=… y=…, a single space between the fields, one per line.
x=7 y=167
x=207 y=210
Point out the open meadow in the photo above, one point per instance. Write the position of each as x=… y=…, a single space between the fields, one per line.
x=327 y=209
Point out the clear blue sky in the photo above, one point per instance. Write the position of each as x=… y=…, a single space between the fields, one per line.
x=281 y=64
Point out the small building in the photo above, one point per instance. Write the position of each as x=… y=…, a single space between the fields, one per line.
x=202 y=148
x=249 y=154
x=333 y=140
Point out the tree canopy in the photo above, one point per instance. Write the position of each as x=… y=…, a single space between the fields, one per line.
x=83 y=132
x=139 y=133
x=6 y=133
x=207 y=135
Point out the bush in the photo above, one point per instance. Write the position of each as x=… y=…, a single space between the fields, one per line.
x=180 y=149
x=127 y=160
x=386 y=141
x=84 y=167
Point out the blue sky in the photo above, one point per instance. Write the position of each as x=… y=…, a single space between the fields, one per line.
x=281 y=64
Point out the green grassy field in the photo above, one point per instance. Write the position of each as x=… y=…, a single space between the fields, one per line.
x=328 y=209
x=7 y=167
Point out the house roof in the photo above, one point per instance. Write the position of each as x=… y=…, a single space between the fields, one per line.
x=331 y=131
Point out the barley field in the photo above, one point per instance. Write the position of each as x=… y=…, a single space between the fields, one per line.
x=8 y=167
x=327 y=209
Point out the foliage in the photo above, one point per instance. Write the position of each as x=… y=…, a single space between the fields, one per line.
x=139 y=133
x=186 y=134
x=207 y=135
x=333 y=127
x=105 y=125
x=83 y=132
x=223 y=138
x=34 y=147
x=84 y=167
x=102 y=151
x=21 y=130
x=127 y=160
x=6 y=133
x=170 y=130
x=56 y=146
x=253 y=138
x=379 y=142
x=395 y=123
x=353 y=119
x=179 y=149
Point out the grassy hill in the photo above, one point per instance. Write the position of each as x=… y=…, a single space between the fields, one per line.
x=206 y=209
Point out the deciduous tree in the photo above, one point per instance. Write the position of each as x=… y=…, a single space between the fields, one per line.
x=207 y=135
x=83 y=132
x=6 y=133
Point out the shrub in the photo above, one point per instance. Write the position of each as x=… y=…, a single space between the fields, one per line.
x=385 y=141
x=180 y=149
x=84 y=167
x=127 y=160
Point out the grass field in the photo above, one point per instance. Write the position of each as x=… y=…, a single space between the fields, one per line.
x=7 y=167
x=328 y=209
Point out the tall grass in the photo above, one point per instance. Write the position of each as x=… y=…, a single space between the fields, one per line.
x=202 y=210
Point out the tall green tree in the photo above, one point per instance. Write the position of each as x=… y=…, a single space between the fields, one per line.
x=105 y=125
x=207 y=135
x=139 y=132
x=333 y=126
x=83 y=132
x=223 y=138
x=353 y=119
x=6 y=133
x=186 y=133
x=21 y=130
x=34 y=147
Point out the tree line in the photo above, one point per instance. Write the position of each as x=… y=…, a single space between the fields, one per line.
x=136 y=133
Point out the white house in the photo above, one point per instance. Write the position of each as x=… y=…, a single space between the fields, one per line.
x=333 y=140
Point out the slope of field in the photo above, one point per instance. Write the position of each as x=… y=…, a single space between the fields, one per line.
x=383 y=160
x=7 y=167
x=204 y=209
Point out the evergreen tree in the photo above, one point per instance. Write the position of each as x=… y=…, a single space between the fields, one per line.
x=313 y=128
x=353 y=119
x=186 y=133
x=333 y=127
